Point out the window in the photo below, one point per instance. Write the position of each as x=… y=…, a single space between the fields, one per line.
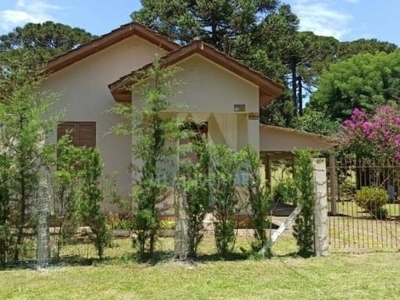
x=82 y=133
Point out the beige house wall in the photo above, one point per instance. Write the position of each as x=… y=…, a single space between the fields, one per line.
x=209 y=93
x=86 y=97
x=208 y=87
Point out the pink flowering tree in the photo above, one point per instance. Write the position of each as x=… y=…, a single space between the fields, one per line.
x=374 y=136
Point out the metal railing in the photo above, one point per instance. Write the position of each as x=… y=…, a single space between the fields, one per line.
x=355 y=226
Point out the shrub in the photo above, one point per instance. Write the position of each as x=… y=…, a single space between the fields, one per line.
x=380 y=213
x=91 y=197
x=123 y=224
x=225 y=164
x=167 y=225
x=285 y=191
x=259 y=198
x=155 y=134
x=371 y=198
x=192 y=188
x=375 y=136
x=304 y=227
x=66 y=187
x=119 y=221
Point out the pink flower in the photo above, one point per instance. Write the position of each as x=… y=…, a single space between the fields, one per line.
x=397 y=140
x=358 y=115
x=367 y=127
x=384 y=109
x=396 y=120
x=380 y=132
x=387 y=134
x=358 y=112
x=349 y=124
x=397 y=155
x=370 y=136
x=381 y=123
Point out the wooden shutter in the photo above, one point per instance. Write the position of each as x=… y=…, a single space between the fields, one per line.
x=82 y=133
x=86 y=134
x=69 y=128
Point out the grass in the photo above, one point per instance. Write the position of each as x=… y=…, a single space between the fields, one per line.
x=350 y=208
x=338 y=276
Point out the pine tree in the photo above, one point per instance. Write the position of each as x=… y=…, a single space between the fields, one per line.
x=154 y=144
x=304 y=228
x=26 y=119
x=91 y=197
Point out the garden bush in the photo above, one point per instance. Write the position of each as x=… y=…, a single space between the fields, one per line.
x=225 y=164
x=304 y=227
x=380 y=213
x=259 y=197
x=371 y=198
x=167 y=224
x=285 y=191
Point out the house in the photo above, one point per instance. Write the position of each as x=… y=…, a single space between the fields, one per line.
x=218 y=90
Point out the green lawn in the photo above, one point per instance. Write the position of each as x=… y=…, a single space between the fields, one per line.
x=350 y=208
x=339 y=276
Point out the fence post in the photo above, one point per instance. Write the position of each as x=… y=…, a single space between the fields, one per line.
x=333 y=184
x=43 y=235
x=321 y=208
x=181 y=246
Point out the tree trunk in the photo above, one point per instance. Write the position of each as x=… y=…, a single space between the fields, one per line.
x=21 y=219
x=22 y=207
x=300 y=85
x=293 y=67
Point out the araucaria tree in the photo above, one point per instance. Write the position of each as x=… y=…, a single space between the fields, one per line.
x=251 y=31
x=26 y=119
x=154 y=143
x=5 y=200
x=41 y=41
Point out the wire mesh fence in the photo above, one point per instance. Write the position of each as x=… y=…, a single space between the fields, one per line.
x=364 y=204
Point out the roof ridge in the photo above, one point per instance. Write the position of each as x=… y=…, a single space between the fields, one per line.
x=200 y=42
x=150 y=63
x=271 y=89
x=166 y=42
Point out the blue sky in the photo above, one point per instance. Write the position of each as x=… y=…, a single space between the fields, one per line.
x=343 y=19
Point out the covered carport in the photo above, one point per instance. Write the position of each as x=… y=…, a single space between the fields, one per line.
x=279 y=143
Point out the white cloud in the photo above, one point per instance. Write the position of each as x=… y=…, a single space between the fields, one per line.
x=35 y=11
x=323 y=17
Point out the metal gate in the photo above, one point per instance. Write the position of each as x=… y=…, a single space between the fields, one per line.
x=368 y=225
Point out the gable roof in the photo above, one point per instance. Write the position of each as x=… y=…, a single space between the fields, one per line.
x=269 y=89
x=107 y=40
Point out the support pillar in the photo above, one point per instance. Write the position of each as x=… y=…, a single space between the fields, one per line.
x=321 y=208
